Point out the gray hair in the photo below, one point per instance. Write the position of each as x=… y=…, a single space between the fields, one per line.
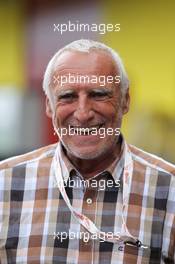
x=85 y=45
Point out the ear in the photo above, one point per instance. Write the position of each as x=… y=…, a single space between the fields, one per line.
x=49 y=111
x=126 y=102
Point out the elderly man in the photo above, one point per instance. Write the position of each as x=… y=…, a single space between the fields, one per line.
x=91 y=198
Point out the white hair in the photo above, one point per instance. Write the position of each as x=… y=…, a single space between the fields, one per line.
x=85 y=45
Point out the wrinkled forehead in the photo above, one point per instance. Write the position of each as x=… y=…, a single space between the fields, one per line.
x=97 y=62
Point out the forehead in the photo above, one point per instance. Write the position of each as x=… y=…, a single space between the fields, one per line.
x=97 y=62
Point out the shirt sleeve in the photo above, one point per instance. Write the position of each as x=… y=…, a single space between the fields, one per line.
x=168 y=246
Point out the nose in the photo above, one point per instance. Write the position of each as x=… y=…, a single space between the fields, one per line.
x=84 y=112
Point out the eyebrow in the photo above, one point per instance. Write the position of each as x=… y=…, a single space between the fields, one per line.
x=63 y=92
x=67 y=91
x=102 y=90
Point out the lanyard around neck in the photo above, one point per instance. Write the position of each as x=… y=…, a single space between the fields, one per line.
x=119 y=237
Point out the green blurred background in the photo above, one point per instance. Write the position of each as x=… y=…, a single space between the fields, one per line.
x=146 y=42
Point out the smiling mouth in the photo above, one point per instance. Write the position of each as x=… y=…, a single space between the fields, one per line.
x=85 y=131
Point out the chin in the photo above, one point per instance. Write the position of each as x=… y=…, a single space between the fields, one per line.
x=87 y=154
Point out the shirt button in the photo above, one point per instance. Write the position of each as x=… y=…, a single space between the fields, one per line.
x=89 y=201
x=121 y=248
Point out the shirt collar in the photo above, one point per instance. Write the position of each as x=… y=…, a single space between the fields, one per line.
x=115 y=169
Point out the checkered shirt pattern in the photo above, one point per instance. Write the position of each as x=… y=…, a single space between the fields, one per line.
x=36 y=226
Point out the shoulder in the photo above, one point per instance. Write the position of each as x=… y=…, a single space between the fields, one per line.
x=158 y=178
x=152 y=160
x=33 y=156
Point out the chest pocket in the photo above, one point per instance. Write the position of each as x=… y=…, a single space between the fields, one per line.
x=132 y=254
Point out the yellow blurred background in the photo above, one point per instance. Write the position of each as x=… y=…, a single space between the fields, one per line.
x=146 y=42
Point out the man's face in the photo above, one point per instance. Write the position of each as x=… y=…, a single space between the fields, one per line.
x=85 y=104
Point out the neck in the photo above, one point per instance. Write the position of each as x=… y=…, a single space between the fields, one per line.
x=89 y=168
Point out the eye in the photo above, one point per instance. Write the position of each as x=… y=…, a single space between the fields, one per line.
x=67 y=97
x=100 y=95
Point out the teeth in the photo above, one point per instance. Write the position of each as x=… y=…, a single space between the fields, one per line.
x=86 y=130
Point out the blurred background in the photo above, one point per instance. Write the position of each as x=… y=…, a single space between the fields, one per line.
x=146 y=42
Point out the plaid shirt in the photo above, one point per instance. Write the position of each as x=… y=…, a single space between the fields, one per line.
x=36 y=226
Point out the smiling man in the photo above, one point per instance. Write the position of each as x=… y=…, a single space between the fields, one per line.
x=87 y=105
x=53 y=206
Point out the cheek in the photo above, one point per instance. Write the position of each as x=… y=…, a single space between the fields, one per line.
x=63 y=112
x=108 y=109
